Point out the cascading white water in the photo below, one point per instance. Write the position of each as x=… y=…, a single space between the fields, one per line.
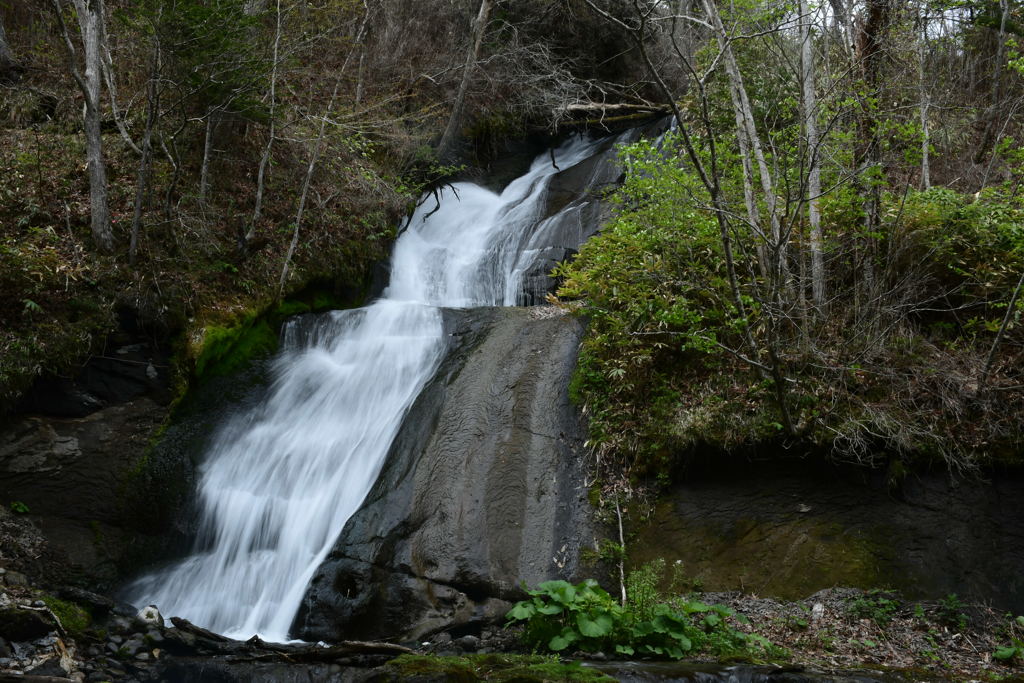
x=280 y=482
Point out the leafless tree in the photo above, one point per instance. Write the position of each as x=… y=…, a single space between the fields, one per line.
x=809 y=104
x=153 y=91
x=472 y=55
x=268 y=148
x=88 y=76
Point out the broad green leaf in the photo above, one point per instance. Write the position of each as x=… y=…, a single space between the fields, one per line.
x=521 y=610
x=563 y=639
x=550 y=608
x=1005 y=653
x=562 y=591
x=595 y=625
x=559 y=643
x=667 y=623
x=642 y=629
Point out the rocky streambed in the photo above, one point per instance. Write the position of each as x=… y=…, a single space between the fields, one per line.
x=87 y=637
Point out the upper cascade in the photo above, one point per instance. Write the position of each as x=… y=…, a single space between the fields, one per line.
x=471 y=246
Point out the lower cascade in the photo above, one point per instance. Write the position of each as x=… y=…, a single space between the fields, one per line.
x=280 y=481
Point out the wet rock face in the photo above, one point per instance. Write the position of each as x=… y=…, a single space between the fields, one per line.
x=68 y=477
x=68 y=454
x=789 y=530
x=481 y=490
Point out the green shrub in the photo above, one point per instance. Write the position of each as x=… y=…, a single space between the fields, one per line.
x=951 y=612
x=670 y=369
x=1015 y=650
x=559 y=615
x=876 y=605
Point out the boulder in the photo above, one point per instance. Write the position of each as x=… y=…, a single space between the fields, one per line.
x=18 y=624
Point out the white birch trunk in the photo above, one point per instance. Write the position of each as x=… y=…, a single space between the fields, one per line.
x=90 y=22
x=926 y=181
x=810 y=106
x=204 y=171
x=747 y=127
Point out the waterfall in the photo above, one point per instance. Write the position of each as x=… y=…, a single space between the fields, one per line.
x=279 y=482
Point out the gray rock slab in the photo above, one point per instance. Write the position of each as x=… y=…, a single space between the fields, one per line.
x=482 y=490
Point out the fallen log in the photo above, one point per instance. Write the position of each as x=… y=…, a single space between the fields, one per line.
x=192 y=639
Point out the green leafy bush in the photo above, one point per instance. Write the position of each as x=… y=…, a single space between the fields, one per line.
x=559 y=615
x=670 y=369
x=971 y=246
x=653 y=286
x=876 y=605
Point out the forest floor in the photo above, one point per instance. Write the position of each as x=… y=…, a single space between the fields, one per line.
x=843 y=628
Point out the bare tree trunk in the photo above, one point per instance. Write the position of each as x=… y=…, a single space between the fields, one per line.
x=870 y=31
x=708 y=173
x=810 y=113
x=622 y=554
x=361 y=40
x=1011 y=307
x=842 y=20
x=305 y=191
x=746 y=127
x=472 y=55
x=152 y=113
x=173 y=157
x=926 y=181
x=992 y=112
x=204 y=171
x=265 y=159
x=90 y=21
x=109 y=79
x=5 y=50
x=778 y=264
x=317 y=149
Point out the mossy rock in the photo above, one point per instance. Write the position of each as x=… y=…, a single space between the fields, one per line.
x=226 y=349
x=19 y=625
x=223 y=349
x=489 y=667
x=73 y=617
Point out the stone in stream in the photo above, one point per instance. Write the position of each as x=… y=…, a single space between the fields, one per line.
x=149 y=615
x=482 y=490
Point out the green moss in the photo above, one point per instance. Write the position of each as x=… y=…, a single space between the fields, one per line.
x=493 y=667
x=226 y=349
x=74 y=618
x=291 y=307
